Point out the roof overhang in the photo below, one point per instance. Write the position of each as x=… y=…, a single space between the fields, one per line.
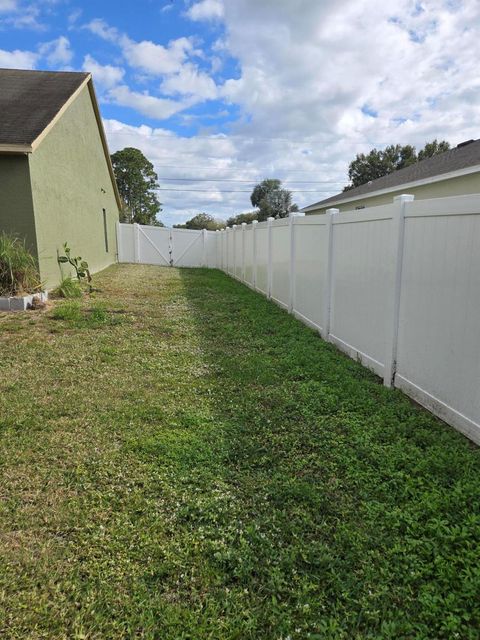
x=26 y=148
x=400 y=187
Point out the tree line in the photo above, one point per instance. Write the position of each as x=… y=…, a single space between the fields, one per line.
x=138 y=184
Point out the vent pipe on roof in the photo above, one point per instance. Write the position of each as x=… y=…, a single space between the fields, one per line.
x=464 y=144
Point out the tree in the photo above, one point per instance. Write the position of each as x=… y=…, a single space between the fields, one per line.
x=379 y=163
x=261 y=190
x=137 y=183
x=433 y=148
x=272 y=200
x=248 y=217
x=202 y=221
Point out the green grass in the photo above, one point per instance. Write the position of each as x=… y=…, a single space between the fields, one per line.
x=182 y=460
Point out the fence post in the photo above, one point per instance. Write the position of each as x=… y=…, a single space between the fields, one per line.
x=254 y=266
x=170 y=248
x=398 y=239
x=234 y=251
x=269 y=255
x=244 y=224
x=204 y=247
x=136 y=243
x=327 y=298
x=225 y=250
x=119 y=242
x=291 y=223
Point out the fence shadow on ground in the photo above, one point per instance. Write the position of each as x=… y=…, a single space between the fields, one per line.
x=336 y=485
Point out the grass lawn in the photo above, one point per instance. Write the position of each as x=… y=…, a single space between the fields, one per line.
x=181 y=459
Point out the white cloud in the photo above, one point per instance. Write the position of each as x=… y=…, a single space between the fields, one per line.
x=155 y=58
x=316 y=83
x=106 y=76
x=57 y=52
x=206 y=10
x=101 y=29
x=144 y=103
x=190 y=81
x=18 y=59
x=8 y=5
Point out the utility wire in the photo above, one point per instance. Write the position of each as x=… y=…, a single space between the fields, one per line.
x=232 y=190
x=246 y=181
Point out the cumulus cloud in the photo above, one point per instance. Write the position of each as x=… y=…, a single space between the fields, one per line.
x=206 y=10
x=57 y=52
x=190 y=81
x=155 y=58
x=18 y=59
x=146 y=104
x=316 y=83
x=106 y=76
x=171 y=63
x=8 y=5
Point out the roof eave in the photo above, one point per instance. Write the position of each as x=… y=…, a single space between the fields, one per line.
x=400 y=187
x=15 y=148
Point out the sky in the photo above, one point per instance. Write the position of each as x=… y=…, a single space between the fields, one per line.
x=220 y=94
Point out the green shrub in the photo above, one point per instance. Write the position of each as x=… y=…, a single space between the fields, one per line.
x=69 y=288
x=19 y=272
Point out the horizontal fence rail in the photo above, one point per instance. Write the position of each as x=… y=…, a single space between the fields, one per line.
x=396 y=287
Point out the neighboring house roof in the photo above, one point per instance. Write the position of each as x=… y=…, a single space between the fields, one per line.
x=31 y=102
x=464 y=156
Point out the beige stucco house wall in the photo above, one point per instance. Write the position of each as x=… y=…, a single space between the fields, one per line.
x=59 y=187
x=72 y=188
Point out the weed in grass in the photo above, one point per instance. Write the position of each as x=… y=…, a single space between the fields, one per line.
x=19 y=273
x=77 y=316
x=69 y=288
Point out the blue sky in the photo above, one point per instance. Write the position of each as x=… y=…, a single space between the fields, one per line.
x=222 y=93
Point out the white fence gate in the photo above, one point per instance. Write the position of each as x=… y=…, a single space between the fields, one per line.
x=395 y=286
x=166 y=247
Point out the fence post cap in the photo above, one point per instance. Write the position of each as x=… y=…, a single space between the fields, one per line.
x=332 y=212
x=254 y=221
x=244 y=224
x=404 y=197
x=270 y=219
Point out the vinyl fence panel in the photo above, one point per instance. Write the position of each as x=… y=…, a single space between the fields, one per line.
x=310 y=237
x=362 y=278
x=438 y=361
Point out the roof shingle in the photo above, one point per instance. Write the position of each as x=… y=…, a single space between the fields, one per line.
x=29 y=100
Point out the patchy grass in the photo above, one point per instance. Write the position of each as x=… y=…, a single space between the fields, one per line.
x=183 y=460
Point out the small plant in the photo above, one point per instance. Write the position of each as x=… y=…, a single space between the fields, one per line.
x=19 y=272
x=68 y=288
x=70 y=311
x=79 y=264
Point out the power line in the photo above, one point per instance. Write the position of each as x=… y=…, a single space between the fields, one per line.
x=237 y=168
x=246 y=181
x=232 y=190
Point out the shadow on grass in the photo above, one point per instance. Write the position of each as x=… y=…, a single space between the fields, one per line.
x=345 y=510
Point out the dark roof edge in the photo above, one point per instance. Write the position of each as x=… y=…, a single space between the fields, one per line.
x=343 y=197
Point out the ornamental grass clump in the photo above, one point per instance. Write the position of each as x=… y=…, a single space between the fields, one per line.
x=19 y=274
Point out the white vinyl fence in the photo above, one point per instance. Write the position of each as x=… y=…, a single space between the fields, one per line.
x=166 y=247
x=396 y=287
